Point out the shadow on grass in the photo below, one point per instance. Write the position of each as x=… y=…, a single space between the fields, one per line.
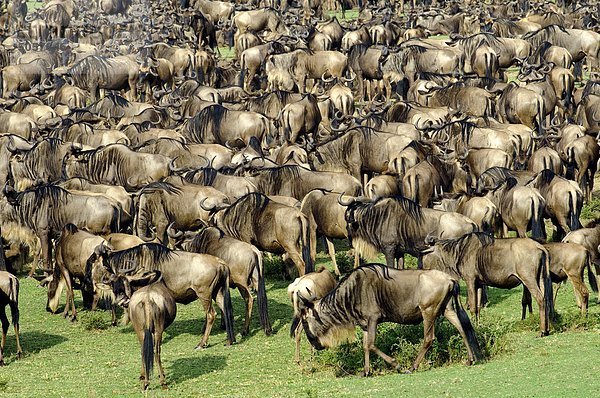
x=184 y=369
x=32 y=342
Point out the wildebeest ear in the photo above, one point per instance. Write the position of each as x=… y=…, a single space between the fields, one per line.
x=147 y=278
x=103 y=286
x=303 y=302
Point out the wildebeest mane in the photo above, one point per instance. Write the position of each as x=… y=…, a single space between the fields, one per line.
x=104 y=160
x=40 y=200
x=147 y=256
x=459 y=249
x=205 y=127
x=96 y=64
x=547 y=33
x=271 y=179
x=268 y=103
x=40 y=159
x=341 y=302
x=200 y=242
x=203 y=176
x=239 y=217
x=160 y=186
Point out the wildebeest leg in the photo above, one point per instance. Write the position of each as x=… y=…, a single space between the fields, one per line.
x=70 y=295
x=46 y=250
x=369 y=345
x=400 y=262
x=331 y=250
x=298 y=262
x=210 y=319
x=582 y=294
x=429 y=315
x=157 y=348
x=525 y=302
x=390 y=258
x=297 y=336
x=4 y=321
x=472 y=299
x=452 y=317
x=14 y=311
x=249 y=300
x=504 y=231
x=558 y=285
x=531 y=284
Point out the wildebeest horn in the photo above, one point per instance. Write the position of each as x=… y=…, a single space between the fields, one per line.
x=351 y=78
x=346 y=204
x=429 y=239
x=326 y=80
x=206 y=208
x=172 y=167
x=171 y=232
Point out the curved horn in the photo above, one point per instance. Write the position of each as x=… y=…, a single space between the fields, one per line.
x=326 y=80
x=345 y=204
x=206 y=208
x=171 y=232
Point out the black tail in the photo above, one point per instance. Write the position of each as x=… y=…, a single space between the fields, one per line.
x=2 y=258
x=295 y=323
x=488 y=67
x=537 y=223
x=242 y=72
x=261 y=297
x=305 y=242
x=591 y=276
x=465 y=322
x=1 y=84
x=539 y=121
x=573 y=219
x=148 y=351
x=227 y=307
x=570 y=175
x=547 y=281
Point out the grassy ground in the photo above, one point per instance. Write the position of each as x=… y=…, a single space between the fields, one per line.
x=88 y=358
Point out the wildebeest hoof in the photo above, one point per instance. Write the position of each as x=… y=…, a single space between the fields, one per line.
x=201 y=346
x=1 y=362
x=407 y=372
x=19 y=355
x=164 y=386
x=544 y=333
x=365 y=374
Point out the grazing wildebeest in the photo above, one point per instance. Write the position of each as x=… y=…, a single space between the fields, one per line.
x=397 y=225
x=188 y=276
x=9 y=295
x=314 y=284
x=151 y=309
x=374 y=293
x=245 y=269
x=481 y=260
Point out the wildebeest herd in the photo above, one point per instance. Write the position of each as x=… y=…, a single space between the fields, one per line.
x=143 y=166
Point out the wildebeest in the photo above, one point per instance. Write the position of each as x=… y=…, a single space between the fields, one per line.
x=570 y=260
x=9 y=295
x=397 y=225
x=481 y=260
x=46 y=209
x=246 y=269
x=187 y=276
x=270 y=226
x=73 y=249
x=151 y=309
x=315 y=285
x=372 y=294
x=97 y=72
x=117 y=165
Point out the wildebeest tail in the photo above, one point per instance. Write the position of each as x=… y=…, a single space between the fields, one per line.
x=539 y=120
x=242 y=71
x=261 y=296
x=537 y=223
x=465 y=322
x=148 y=342
x=115 y=225
x=547 y=283
x=223 y=284
x=591 y=276
x=488 y=67
x=567 y=95
x=1 y=83
x=305 y=244
x=570 y=175
x=573 y=220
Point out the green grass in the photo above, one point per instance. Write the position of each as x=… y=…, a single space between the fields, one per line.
x=89 y=358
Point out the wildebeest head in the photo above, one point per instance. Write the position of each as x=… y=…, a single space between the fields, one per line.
x=123 y=285
x=313 y=327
